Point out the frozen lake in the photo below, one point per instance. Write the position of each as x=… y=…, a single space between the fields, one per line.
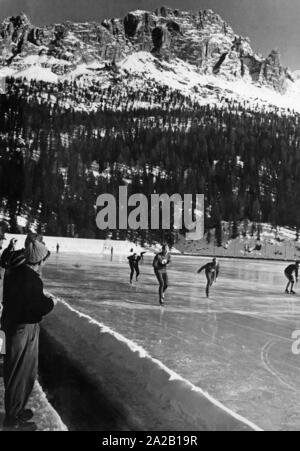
x=237 y=345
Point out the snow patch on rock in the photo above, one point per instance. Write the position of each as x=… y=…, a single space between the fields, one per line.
x=37 y=73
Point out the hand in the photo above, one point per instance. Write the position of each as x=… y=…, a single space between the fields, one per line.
x=54 y=300
x=50 y=296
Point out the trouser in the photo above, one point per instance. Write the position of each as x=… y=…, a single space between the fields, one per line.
x=134 y=267
x=20 y=367
x=137 y=270
x=210 y=277
x=131 y=271
x=291 y=281
x=163 y=281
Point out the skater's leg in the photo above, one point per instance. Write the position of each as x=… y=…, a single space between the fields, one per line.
x=131 y=272
x=161 y=285
x=292 y=286
x=166 y=282
x=137 y=271
x=207 y=290
x=209 y=278
x=290 y=282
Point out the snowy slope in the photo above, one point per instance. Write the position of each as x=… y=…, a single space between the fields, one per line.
x=37 y=73
x=207 y=88
x=144 y=72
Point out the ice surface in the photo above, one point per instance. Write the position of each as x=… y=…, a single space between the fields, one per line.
x=237 y=346
x=146 y=394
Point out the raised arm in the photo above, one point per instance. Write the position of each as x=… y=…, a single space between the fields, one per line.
x=7 y=254
x=201 y=269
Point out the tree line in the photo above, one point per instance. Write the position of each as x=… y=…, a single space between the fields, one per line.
x=55 y=161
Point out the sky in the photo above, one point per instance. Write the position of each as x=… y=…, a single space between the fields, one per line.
x=270 y=24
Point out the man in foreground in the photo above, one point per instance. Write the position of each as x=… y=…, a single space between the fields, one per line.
x=24 y=305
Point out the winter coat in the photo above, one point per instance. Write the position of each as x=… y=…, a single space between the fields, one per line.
x=24 y=301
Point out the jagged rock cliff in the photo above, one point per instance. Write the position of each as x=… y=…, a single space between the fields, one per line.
x=202 y=39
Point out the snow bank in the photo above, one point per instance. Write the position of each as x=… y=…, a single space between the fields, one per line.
x=46 y=416
x=96 y=349
x=81 y=245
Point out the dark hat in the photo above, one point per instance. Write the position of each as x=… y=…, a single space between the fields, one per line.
x=35 y=251
x=16 y=259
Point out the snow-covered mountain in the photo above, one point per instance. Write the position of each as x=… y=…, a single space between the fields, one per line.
x=196 y=54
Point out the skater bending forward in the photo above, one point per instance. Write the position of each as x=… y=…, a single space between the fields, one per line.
x=211 y=271
x=289 y=274
x=160 y=264
x=134 y=261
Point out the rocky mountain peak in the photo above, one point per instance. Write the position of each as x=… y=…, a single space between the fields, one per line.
x=19 y=21
x=202 y=39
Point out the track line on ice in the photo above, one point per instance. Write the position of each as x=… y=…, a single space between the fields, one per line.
x=259 y=331
x=266 y=362
x=172 y=375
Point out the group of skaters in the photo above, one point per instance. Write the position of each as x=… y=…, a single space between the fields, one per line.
x=211 y=269
x=160 y=266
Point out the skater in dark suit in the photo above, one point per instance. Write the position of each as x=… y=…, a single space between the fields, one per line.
x=24 y=305
x=160 y=264
x=212 y=270
x=133 y=261
x=289 y=274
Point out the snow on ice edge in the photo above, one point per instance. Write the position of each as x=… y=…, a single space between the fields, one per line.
x=188 y=397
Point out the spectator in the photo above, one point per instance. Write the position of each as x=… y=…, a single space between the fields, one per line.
x=24 y=305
